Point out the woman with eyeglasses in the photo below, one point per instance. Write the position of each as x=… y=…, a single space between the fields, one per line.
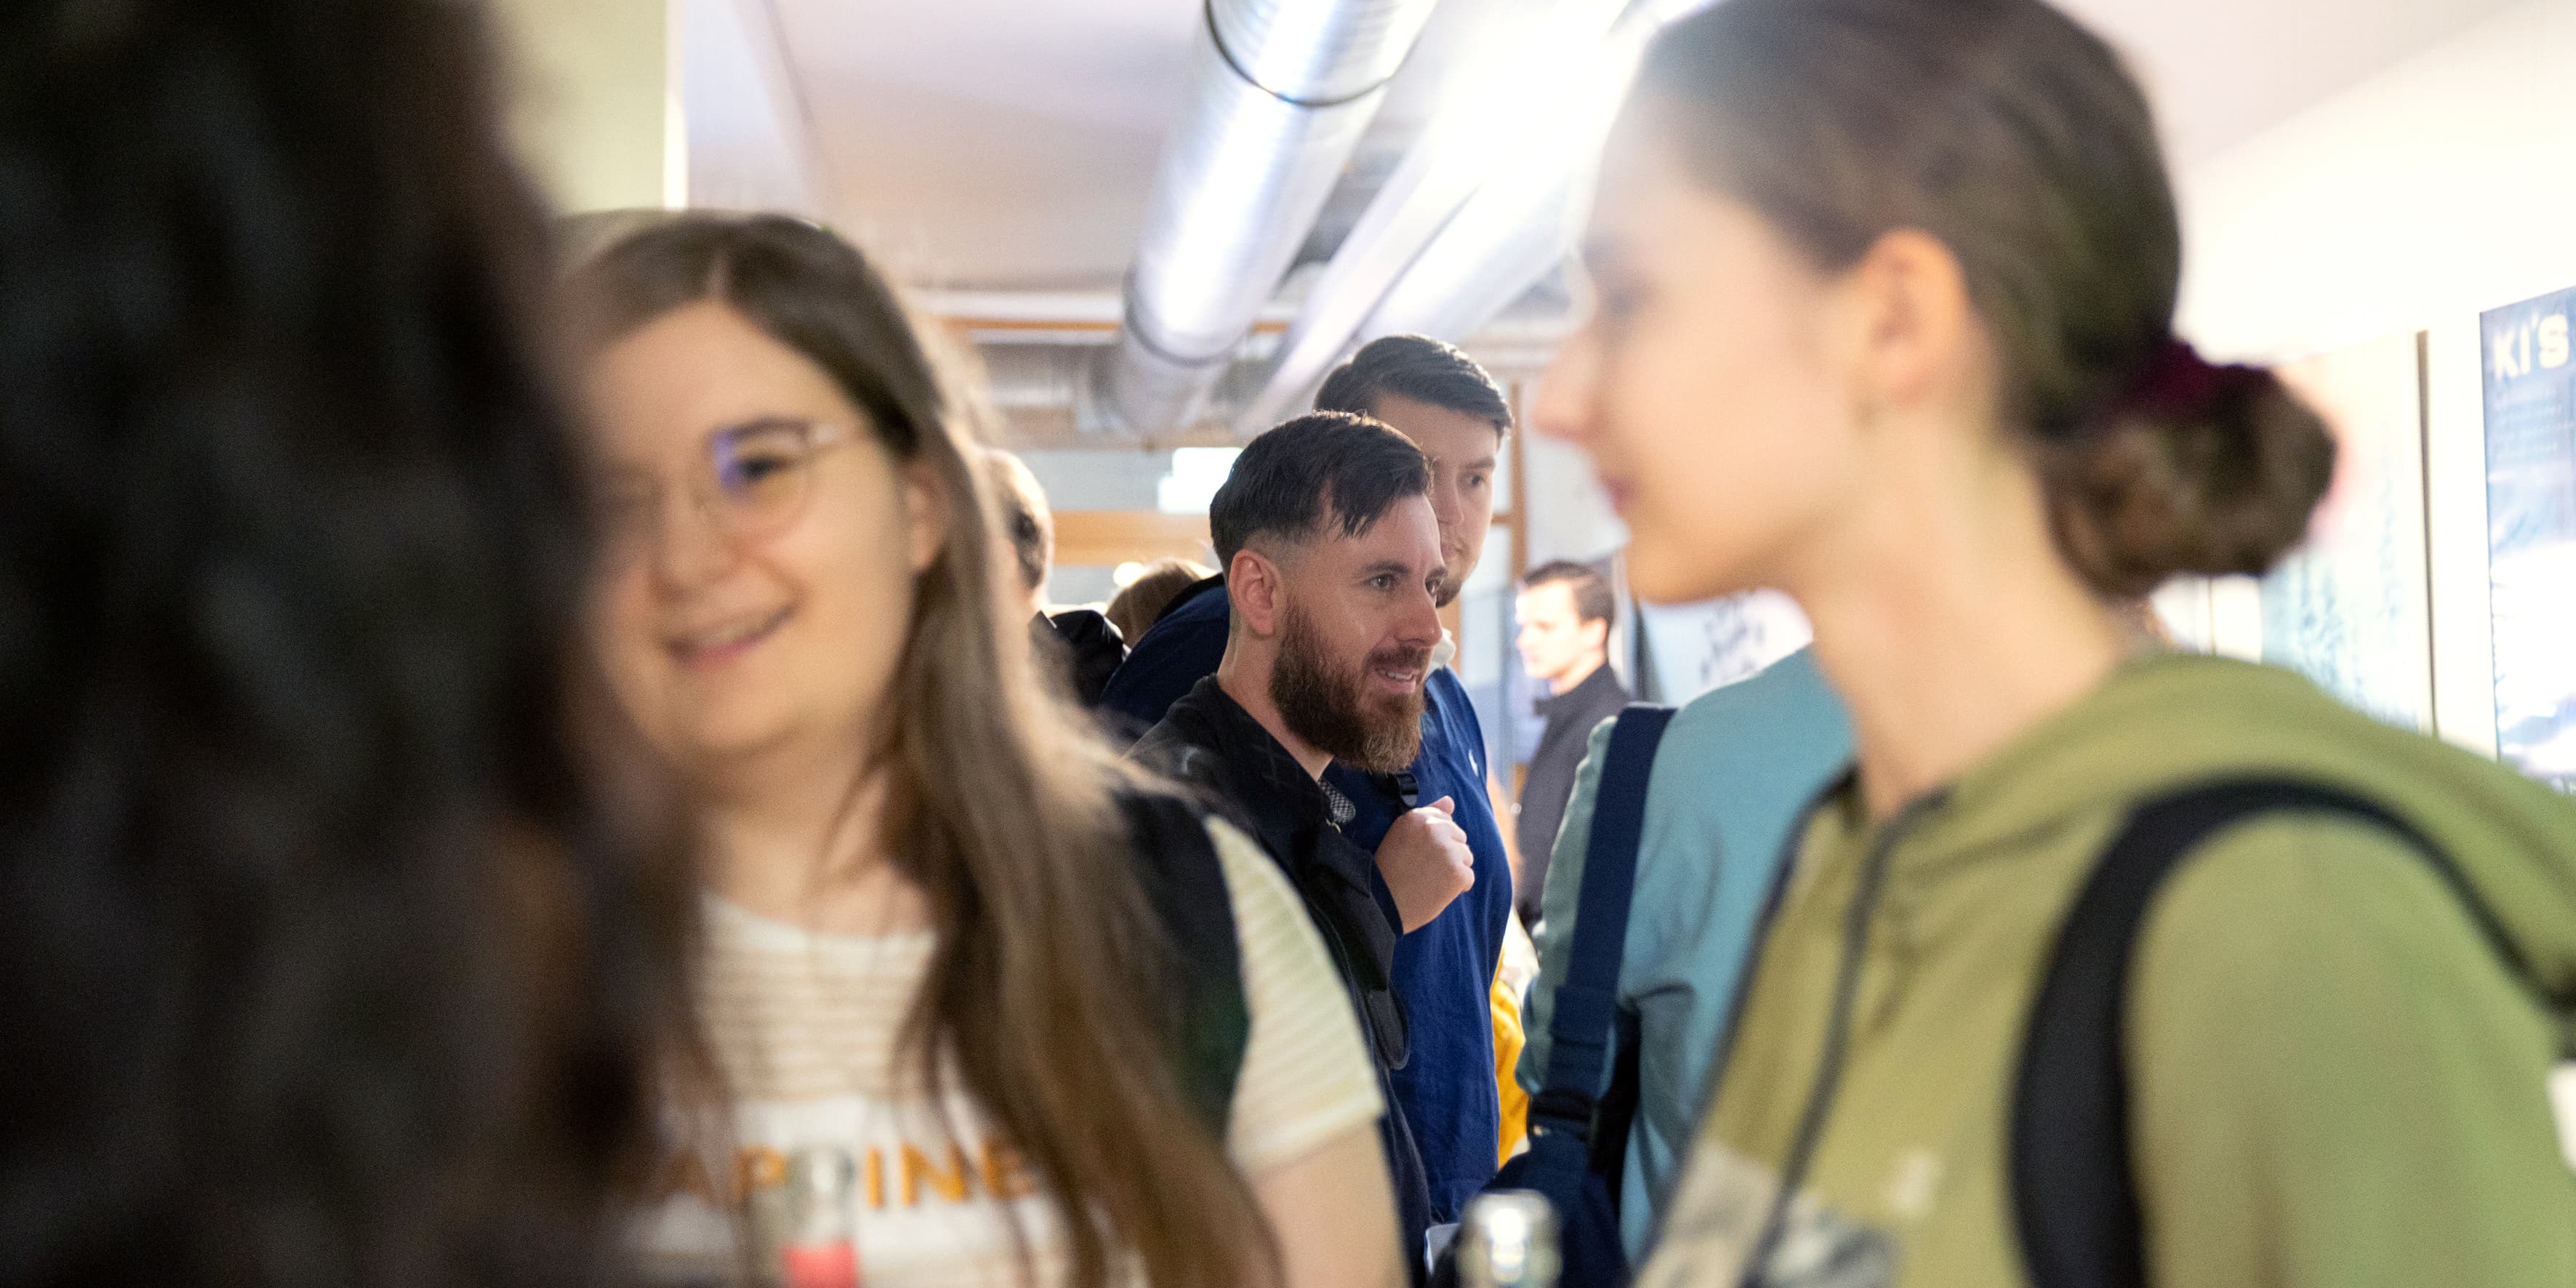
x=977 y=1007
x=1885 y=303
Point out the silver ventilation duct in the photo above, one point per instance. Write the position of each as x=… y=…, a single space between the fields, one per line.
x=1040 y=393
x=1487 y=207
x=1281 y=92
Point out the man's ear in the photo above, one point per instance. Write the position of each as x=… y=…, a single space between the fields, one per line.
x=1596 y=634
x=1252 y=581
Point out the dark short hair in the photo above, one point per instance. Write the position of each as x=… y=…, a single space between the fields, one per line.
x=1328 y=462
x=1593 y=601
x=1420 y=368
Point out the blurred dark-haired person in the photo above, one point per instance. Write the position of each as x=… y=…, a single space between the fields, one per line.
x=981 y=1005
x=1140 y=603
x=1333 y=563
x=1445 y=969
x=1078 y=643
x=1564 y=611
x=325 y=956
x=1885 y=303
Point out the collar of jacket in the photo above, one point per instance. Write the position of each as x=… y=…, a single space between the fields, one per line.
x=1266 y=785
x=1209 y=739
x=1597 y=689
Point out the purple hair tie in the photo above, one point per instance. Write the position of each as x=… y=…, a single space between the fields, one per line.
x=2178 y=384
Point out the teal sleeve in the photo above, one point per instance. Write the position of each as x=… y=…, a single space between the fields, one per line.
x=1557 y=910
x=2336 y=1081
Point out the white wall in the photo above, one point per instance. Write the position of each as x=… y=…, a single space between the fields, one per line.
x=1093 y=479
x=1570 y=516
x=595 y=100
x=2438 y=188
x=750 y=143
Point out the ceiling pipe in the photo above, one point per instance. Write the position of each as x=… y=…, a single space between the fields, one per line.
x=1488 y=202
x=1281 y=91
x=1508 y=95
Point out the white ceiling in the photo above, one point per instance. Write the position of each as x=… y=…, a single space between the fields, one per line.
x=2221 y=71
x=1008 y=144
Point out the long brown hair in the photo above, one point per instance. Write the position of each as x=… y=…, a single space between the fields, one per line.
x=1051 y=984
x=2016 y=138
x=332 y=957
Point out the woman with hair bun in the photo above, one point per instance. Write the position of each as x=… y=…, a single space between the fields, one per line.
x=1885 y=302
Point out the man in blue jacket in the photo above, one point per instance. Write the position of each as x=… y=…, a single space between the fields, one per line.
x=1444 y=966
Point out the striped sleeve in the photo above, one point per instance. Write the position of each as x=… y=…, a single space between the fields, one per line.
x=1306 y=1079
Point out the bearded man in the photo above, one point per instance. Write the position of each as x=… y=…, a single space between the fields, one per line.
x=1446 y=961
x=1333 y=560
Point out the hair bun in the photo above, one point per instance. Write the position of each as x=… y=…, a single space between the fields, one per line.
x=2193 y=468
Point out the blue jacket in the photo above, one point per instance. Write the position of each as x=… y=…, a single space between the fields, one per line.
x=1737 y=768
x=1444 y=972
x=1167 y=661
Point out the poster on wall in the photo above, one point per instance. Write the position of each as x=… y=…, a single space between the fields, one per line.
x=2530 y=393
x=1693 y=648
x=2352 y=608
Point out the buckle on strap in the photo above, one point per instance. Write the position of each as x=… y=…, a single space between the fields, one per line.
x=1400 y=785
x=1564 y=1111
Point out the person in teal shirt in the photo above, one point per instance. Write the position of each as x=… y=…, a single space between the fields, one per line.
x=1738 y=766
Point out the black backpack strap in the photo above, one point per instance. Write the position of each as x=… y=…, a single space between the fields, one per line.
x=1585 y=1026
x=1185 y=883
x=1617 y=1112
x=2074 y=1196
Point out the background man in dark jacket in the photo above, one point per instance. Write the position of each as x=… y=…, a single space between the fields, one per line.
x=1333 y=559
x=1564 y=612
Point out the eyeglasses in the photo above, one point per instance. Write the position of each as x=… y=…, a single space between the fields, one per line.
x=748 y=481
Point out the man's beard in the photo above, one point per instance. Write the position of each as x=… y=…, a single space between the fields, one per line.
x=1331 y=710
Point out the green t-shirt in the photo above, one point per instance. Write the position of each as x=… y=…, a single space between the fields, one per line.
x=2333 y=1080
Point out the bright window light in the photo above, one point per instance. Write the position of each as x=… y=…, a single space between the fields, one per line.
x=1197 y=472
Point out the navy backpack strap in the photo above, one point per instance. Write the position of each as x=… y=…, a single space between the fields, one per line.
x=1583 y=1028
x=2074 y=1197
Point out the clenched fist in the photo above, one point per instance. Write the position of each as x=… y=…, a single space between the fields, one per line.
x=1426 y=863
